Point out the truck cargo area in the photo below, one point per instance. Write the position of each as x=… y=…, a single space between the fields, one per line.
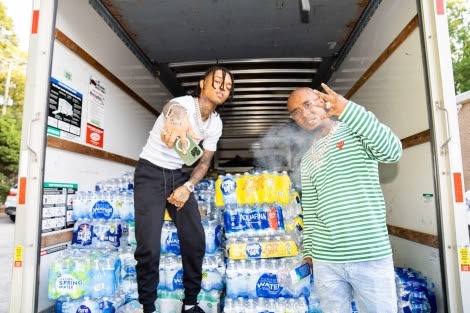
x=391 y=56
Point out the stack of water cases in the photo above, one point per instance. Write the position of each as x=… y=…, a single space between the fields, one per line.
x=264 y=271
x=415 y=293
x=170 y=289
x=97 y=274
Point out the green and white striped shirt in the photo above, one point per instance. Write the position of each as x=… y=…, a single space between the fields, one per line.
x=343 y=205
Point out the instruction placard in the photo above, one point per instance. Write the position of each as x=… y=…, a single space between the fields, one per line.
x=57 y=206
x=65 y=110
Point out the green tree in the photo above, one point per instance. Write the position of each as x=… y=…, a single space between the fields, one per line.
x=12 y=65
x=458 y=14
x=10 y=136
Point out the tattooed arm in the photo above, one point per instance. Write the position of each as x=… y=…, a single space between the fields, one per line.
x=202 y=167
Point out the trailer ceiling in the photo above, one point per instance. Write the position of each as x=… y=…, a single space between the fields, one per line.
x=271 y=46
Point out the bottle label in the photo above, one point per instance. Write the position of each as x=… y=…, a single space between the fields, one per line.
x=299 y=273
x=172 y=244
x=102 y=209
x=267 y=249
x=83 y=235
x=268 y=286
x=228 y=187
x=256 y=219
x=177 y=281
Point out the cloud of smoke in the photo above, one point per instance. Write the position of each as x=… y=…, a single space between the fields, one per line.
x=283 y=147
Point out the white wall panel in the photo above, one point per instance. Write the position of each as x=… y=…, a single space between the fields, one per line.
x=408 y=187
x=69 y=167
x=394 y=99
x=384 y=26
x=77 y=20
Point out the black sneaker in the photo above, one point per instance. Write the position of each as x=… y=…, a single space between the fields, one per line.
x=194 y=309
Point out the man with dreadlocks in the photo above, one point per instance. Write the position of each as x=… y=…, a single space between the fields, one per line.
x=160 y=183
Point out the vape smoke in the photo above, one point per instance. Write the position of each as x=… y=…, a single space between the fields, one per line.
x=283 y=147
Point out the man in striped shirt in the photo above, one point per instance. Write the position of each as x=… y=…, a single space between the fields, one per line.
x=345 y=231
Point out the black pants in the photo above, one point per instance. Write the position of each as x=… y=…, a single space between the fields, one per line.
x=152 y=186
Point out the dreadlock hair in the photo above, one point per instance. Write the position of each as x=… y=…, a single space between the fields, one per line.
x=211 y=71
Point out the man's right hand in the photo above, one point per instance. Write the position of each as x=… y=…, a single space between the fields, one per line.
x=309 y=261
x=177 y=125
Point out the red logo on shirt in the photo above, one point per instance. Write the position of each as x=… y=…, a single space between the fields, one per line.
x=340 y=145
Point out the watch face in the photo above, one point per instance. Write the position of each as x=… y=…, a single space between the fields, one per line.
x=189 y=186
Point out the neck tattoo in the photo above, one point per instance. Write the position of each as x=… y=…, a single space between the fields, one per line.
x=318 y=156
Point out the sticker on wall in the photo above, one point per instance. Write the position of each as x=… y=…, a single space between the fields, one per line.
x=94 y=136
x=95 y=117
x=65 y=110
x=428 y=198
x=57 y=206
x=464 y=259
x=18 y=257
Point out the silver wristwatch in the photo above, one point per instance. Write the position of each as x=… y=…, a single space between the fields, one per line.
x=189 y=186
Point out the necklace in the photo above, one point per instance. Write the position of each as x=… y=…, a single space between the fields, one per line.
x=318 y=156
x=198 y=118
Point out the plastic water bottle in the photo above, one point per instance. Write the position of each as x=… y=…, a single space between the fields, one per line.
x=241 y=188
x=82 y=233
x=63 y=305
x=272 y=218
x=126 y=256
x=169 y=239
x=313 y=301
x=78 y=205
x=131 y=234
x=110 y=265
x=271 y=305
x=98 y=281
x=115 y=233
x=219 y=198
x=81 y=276
x=232 y=221
x=239 y=305
x=282 y=184
x=266 y=187
x=212 y=279
x=248 y=187
x=129 y=307
x=229 y=306
x=232 y=286
x=129 y=282
x=229 y=189
x=250 y=306
x=164 y=300
x=174 y=277
x=87 y=305
x=252 y=275
x=210 y=233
